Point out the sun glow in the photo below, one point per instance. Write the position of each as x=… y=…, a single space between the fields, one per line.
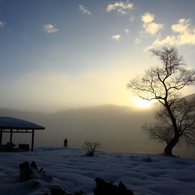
x=143 y=103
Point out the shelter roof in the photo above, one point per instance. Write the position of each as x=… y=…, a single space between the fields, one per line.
x=14 y=123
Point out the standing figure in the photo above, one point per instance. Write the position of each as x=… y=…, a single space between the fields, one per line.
x=66 y=143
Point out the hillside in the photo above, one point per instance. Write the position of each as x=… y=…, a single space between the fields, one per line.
x=118 y=128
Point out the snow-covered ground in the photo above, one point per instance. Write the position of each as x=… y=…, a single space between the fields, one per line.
x=73 y=171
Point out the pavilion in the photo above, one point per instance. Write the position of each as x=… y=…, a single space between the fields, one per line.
x=14 y=125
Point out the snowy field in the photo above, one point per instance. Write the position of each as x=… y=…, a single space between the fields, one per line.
x=73 y=171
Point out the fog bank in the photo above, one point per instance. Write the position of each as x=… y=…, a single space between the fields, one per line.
x=118 y=128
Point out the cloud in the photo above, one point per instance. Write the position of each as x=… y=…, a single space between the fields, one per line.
x=121 y=7
x=152 y=28
x=51 y=91
x=137 y=41
x=2 y=24
x=49 y=28
x=131 y=18
x=182 y=26
x=116 y=37
x=149 y=26
x=127 y=31
x=84 y=9
x=185 y=34
x=147 y=17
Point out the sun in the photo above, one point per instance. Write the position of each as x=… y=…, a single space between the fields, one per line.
x=143 y=103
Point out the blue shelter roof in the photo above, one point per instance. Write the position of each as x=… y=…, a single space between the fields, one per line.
x=14 y=123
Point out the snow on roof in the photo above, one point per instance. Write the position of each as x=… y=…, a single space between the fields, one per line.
x=14 y=123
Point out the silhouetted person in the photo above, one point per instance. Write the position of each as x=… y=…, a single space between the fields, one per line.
x=66 y=143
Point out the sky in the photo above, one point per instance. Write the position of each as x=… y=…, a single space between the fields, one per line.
x=60 y=54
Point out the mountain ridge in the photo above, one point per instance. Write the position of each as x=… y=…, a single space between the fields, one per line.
x=118 y=128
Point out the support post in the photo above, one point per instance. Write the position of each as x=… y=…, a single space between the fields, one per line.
x=32 y=143
x=1 y=136
x=11 y=133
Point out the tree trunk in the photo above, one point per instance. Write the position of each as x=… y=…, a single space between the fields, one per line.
x=168 y=149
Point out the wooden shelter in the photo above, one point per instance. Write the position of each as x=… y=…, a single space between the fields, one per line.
x=13 y=125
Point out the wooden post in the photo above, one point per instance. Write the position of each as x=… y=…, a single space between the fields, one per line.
x=32 y=143
x=1 y=136
x=11 y=133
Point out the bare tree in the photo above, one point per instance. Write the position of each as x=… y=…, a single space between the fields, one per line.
x=91 y=147
x=176 y=119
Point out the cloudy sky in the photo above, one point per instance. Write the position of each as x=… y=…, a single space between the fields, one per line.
x=59 y=54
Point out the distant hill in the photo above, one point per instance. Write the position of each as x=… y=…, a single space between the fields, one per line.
x=188 y=97
x=118 y=128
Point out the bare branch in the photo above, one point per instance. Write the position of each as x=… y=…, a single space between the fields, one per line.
x=176 y=121
x=91 y=147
